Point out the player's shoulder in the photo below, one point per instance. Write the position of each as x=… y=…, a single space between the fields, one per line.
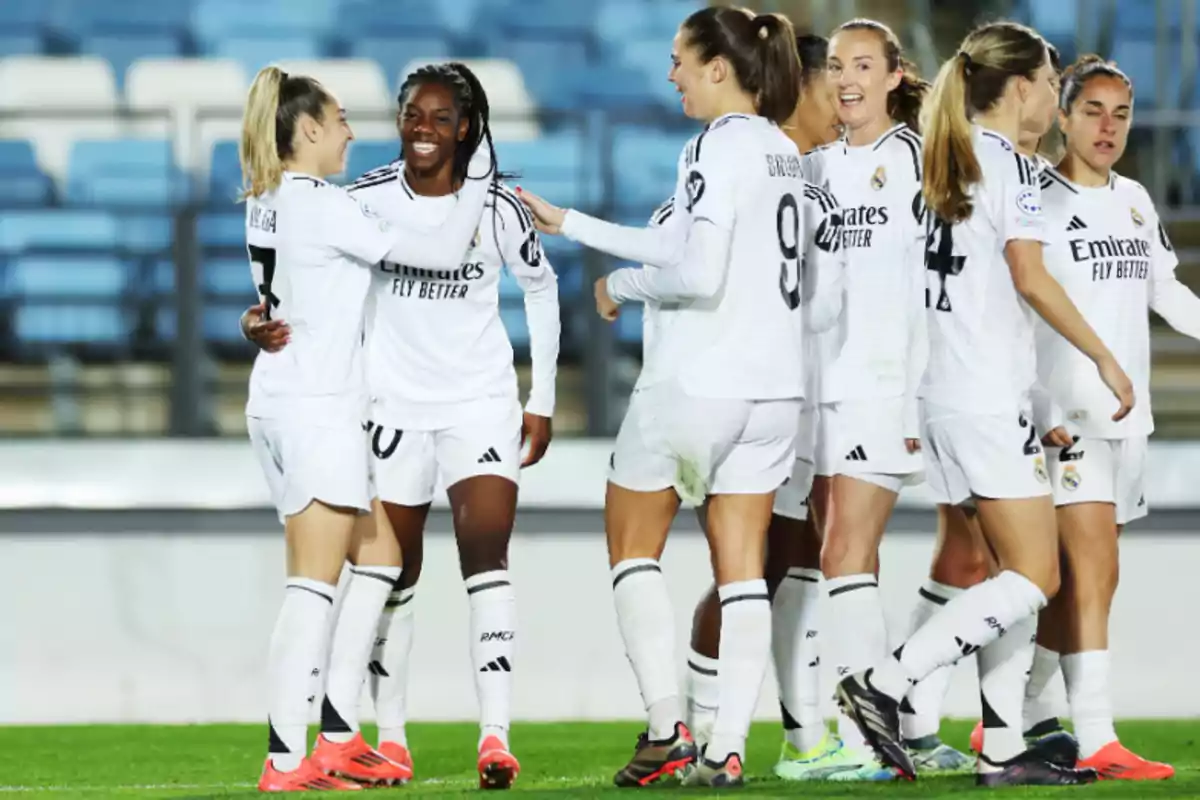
x=515 y=218
x=1055 y=187
x=901 y=147
x=723 y=136
x=997 y=156
x=377 y=179
x=1129 y=188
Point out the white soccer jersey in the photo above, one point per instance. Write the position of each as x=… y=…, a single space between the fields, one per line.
x=436 y=343
x=1111 y=254
x=311 y=248
x=884 y=336
x=745 y=341
x=981 y=340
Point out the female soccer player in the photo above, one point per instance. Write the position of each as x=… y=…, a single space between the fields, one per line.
x=793 y=545
x=311 y=247
x=1111 y=253
x=444 y=402
x=984 y=259
x=715 y=414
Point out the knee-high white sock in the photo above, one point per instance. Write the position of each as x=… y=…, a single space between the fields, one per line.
x=703 y=695
x=295 y=652
x=493 y=643
x=388 y=667
x=970 y=621
x=647 y=626
x=796 y=652
x=857 y=635
x=1003 y=667
x=1086 y=676
x=745 y=653
x=1038 y=708
x=350 y=649
x=927 y=696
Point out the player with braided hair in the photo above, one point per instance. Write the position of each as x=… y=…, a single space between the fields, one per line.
x=445 y=405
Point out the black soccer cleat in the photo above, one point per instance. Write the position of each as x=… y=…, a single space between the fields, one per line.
x=1057 y=748
x=658 y=758
x=1032 y=769
x=878 y=718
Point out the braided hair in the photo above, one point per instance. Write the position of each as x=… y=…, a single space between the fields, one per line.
x=470 y=102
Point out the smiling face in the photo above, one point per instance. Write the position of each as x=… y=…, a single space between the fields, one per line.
x=330 y=137
x=430 y=128
x=695 y=81
x=859 y=77
x=1097 y=127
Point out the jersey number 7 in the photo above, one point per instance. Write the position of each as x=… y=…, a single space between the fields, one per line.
x=940 y=258
x=265 y=258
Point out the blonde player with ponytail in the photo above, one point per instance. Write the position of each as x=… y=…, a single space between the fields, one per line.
x=311 y=246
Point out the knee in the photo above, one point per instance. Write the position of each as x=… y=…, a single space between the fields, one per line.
x=842 y=554
x=485 y=553
x=410 y=571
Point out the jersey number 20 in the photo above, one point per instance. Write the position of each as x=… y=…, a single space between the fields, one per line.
x=265 y=258
x=789 y=249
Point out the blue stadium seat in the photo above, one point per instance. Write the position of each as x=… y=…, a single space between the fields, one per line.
x=58 y=229
x=254 y=53
x=387 y=18
x=75 y=277
x=628 y=327
x=213 y=20
x=394 y=53
x=20 y=44
x=549 y=68
x=652 y=58
x=225 y=175
x=25 y=17
x=222 y=229
x=67 y=324
x=609 y=87
x=22 y=183
x=125 y=17
x=219 y=324
x=645 y=163
x=226 y=277
x=121 y=50
x=1055 y=20
x=146 y=233
x=1138 y=58
x=517 y=326
x=160 y=280
x=552 y=166
x=1139 y=18
x=365 y=155
x=124 y=173
x=552 y=18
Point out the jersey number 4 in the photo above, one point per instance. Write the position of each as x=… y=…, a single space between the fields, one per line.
x=265 y=258
x=940 y=258
x=787 y=221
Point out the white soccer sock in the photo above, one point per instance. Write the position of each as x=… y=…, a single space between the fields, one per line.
x=295 y=652
x=1003 y=667
x=350 y=650
x=857 y=636
x=388 y=667
x=703 y=695
x=1037 y=703
x=647 y=625
x=927 y=696
x=968 y=622
x=1086 y=675
x=745 y=653
x=493 y=642
x=795 y=650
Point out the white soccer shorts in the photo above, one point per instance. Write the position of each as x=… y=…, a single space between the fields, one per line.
x=791 y=500
x=304 y=462
x=865 y=439
x=983 y=455
x=1101 y=471
x=703 y=445
x=406 y=465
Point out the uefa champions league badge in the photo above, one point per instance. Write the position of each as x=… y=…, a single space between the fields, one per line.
x=1137 y=218
x=1028 y=203
x=1070 y=478
x=1039 y=470
x=879 y=179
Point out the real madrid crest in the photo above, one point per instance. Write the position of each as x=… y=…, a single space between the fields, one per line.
x=1039 y=470
x=1137 y=218
x=1070 y=478
x=879 y=179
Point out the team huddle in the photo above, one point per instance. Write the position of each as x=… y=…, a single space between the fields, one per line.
x=861 y=282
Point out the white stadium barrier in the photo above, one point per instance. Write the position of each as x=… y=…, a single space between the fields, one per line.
x=171 y=625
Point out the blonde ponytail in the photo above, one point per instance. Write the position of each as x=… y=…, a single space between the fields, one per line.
x=950 y=165
x=262 y=168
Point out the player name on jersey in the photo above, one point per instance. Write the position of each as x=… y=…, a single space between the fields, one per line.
x=433 y=284
x=783 y=166
x=1113 y=258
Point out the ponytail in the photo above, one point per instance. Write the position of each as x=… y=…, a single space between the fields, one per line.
x=779 y=65
x=950 y=165
x=262 y=169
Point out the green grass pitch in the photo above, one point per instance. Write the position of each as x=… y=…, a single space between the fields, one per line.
x=557 y=760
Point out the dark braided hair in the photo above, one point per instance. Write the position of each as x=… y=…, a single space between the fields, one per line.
x=470 y=102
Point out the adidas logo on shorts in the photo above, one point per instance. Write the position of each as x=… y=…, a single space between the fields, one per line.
x=857 y=454
x=490 y=457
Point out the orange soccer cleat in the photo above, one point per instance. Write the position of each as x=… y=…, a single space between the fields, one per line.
x=398 y=753
x=1115 y=762
x=976 y=743
x=356 y=761
x=305 y=778
x=498 y=768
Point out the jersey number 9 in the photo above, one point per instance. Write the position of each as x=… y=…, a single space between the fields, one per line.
x=785 y=227
x=265 y=258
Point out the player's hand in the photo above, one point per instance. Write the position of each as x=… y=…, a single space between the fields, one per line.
x=912 y=445
x=606 y=307
x=1058 y=437
x=1119 y=384
x=547 y=218
x=539 y=431
x=266 y=334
